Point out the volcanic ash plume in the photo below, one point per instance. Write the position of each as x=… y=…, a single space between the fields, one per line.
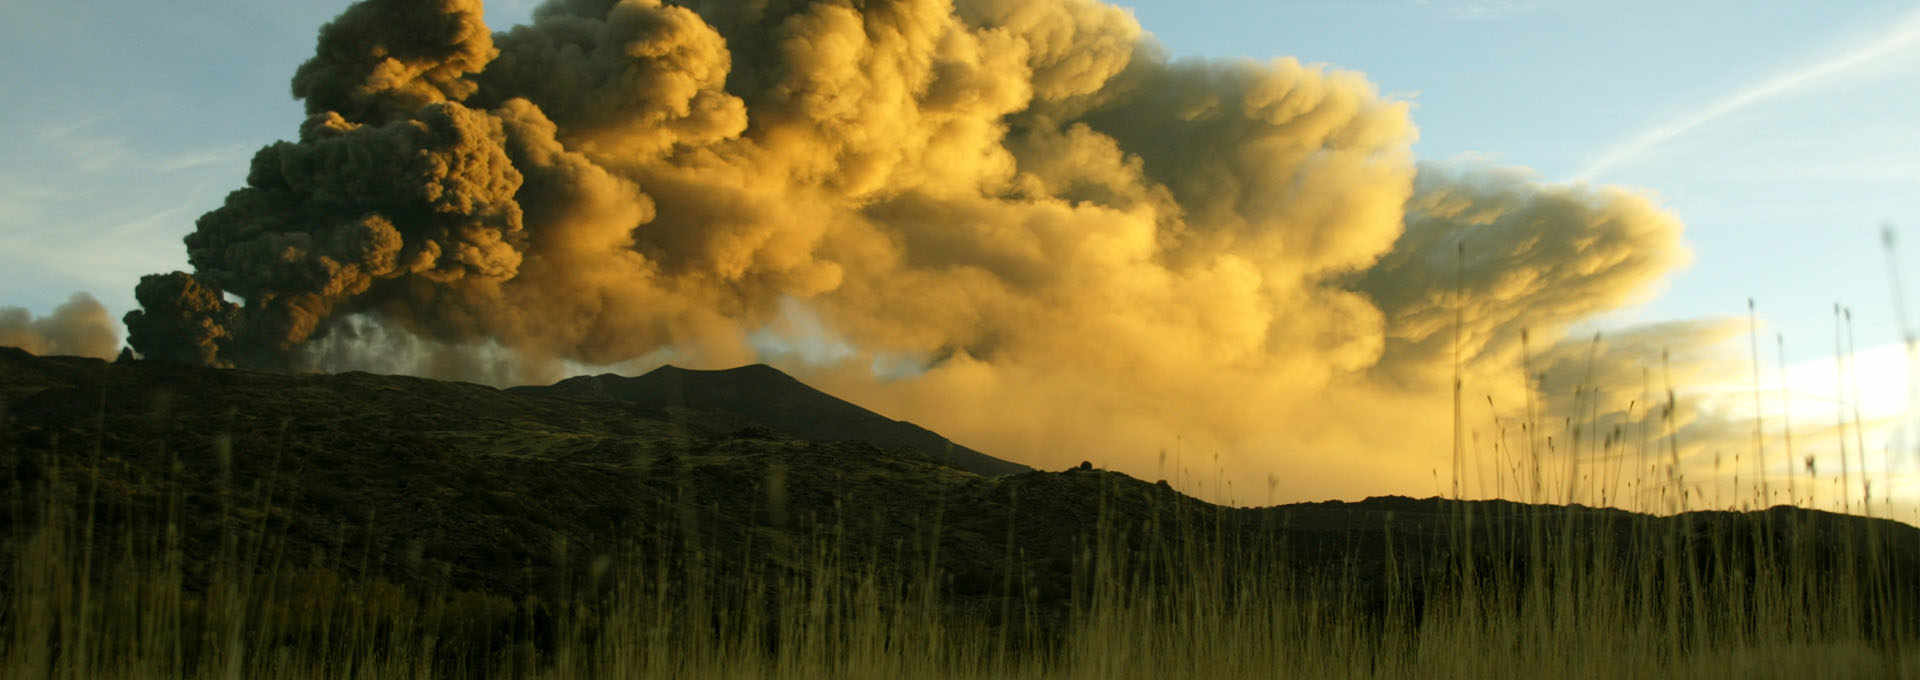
x=80 y=327
x=1077 y=244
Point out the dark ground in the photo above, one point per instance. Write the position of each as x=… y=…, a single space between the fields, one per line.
x=444 y=486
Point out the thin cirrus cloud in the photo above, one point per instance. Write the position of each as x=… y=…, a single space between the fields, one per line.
x=1902 y=36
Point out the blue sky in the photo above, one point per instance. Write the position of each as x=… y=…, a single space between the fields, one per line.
x=125 y=121
x=1782 y=196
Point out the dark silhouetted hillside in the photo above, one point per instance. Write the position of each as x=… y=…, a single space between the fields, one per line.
x=460 y=487
x=763 y=395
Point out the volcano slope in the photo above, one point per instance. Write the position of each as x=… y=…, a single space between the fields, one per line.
x=523 y=494
x=762 y=395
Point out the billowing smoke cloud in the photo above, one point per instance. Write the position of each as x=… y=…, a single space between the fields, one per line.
x=79 y=327
x=1499 y=255
x=1082 y=249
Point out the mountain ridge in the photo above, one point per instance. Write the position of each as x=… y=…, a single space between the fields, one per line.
x=769 y=397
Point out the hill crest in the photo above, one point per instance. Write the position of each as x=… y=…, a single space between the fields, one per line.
x=766 y=396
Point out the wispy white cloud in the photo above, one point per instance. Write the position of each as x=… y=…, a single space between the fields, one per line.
x=201 y=158
x=1903 y=35
x=81 y=144
x=101 y=256
x=82 y=204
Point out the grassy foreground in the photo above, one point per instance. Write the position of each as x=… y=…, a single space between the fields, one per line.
x=1554 y=593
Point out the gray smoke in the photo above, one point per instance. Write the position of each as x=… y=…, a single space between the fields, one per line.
x=78 y=327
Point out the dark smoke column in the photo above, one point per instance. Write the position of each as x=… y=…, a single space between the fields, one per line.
x=392 y=181
x=181 y=319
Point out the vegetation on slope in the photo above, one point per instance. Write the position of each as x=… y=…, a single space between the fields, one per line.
x=209 y=522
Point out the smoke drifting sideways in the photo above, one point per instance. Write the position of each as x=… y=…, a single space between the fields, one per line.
x=1088 y=249
x=78 y=327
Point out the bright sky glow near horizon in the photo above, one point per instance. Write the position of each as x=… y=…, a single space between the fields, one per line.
x=1784 y=135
